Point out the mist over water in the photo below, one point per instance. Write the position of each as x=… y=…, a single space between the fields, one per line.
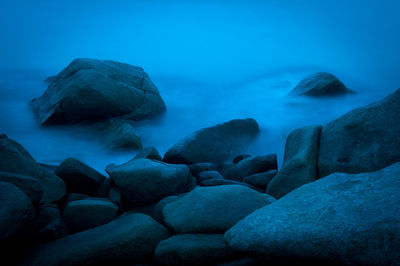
x=211 y=60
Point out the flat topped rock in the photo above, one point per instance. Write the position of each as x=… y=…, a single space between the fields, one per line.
x=214 y=144
x=320 y=84
x=104 y=88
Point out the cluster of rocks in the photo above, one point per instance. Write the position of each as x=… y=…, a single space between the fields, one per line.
x=191 y=207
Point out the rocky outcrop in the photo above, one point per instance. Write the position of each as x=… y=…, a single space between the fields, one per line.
x=214 y=144
x=105 y=89
x=212 y=209
x=344 y=218
x=16 y=212
x=320 y=84
x=79 y=177
x=131 y=238
x=15 y=159
x=300 y=162
x=148 y=181
x=363 y=140
x=192 y=249
x=252 y=165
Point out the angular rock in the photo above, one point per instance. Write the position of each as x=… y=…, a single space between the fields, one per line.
x=129 y=239
x=252 y=165
x=320 y=84
x=87 y=213
x=212 y=209
x=148 y=153
x=351 y=219
x=29 y=185
x=15 y=159
x=300 y=162
x=79 y=177
x=214 y=144
x=260 y=180
x=16 y=212
x=119 y=135
x=363 y=140
x=192 y=249
x=147 y=181
x=104 y=88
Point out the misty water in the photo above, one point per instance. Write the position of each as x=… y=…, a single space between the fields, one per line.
x=211 y=61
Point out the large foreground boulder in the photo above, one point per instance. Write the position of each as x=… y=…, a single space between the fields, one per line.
x=212 y=209
x=345 y=218
x=89 y=89
x=16 y=212
x=148 y=181
x=128 y=239
x=15 y=159
x=320 y=84
x=79 y=177
x=192 y=249
x=300 y=162
x=214 y=144
x=363 y=140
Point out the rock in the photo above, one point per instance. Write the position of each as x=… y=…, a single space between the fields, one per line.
x=240 y=157
x=221 y=182
x=192 y=249
x=350 y=219
x=260 y=180
x=48 y=224
x=224 y=168
x=148 y=153
x=158 y=215
x=213 y=144
x=105 y=188
x=16 y=212
x=115 y=196
x=147 y=181
x=300 y=163
x=129 y=239
x=197 y=168
x=79 y=177
x=104 y=88
x=209 y=175
x=119 y=135
x=320 y=84
x=252 y=165
x=73 y=196
x=15 y=159
x=86 y=213
x=212 y=209
x=29 y=185
x=363 y=140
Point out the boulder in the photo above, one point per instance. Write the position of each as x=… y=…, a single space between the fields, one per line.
x=15 y=159
x=48 y=224
x=300 y=161
x=260 y=180
x=363 y=140
x=16 y=212
x=115 y=196
x=104 y=189
x=105 y=89
x=240 y=157
x=209 y=175
x=214 y=144
x=222 y=181
x=147 y=181
x=320 y=84
x=119 y=135
x=192 y=249
x=127 y=240
x=252 y=165
x=79 y=177
x=212 y=209
x=157 y=212
x=86 y=213
x=29 y=185
x=148 y=153
x=351 y=219
x=197 y=168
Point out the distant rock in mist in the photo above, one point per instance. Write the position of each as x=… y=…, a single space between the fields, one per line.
x=213 y=144
x=319 y=85
x=90 y=89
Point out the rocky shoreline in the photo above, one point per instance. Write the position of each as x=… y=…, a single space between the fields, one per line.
x=335 y=200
